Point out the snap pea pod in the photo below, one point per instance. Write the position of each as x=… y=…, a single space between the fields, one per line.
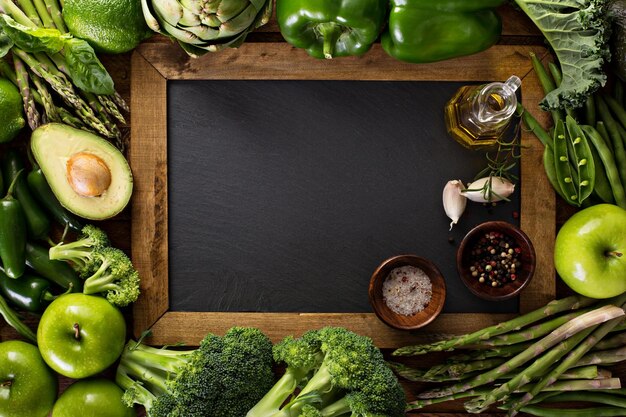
x=37 y=222
x=602 y=188
x=616 y=138
x=562 y=165
x=604 y=134
x=59 y=272
x=606 y=156
x=40 y=188
x=533 y=125
x=550 y=167
x=12 y=233
x=557 y=75
x=618 y=91
x=616 y=109
x=584 y=164
x=590 y=111
x=547 y=83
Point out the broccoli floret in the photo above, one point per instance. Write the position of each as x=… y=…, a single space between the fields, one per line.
x=114 y=276
x=344 y=373
x=80 y=253
x=223 y=377
x=310 y=411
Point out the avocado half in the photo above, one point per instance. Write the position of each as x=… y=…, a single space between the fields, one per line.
x=89 y=176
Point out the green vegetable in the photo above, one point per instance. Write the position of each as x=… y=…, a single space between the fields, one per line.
x=554 y=307
x=81 y=253
x=56 y=271
x=37 y=222
x=13 y=320
x=114 y=276
x=616 y=139
x=12 y=233
x=581 y=412
x=583 y=162
x=225 y=376
x=200 y=26
x=42 y=191
x=577 y=32
x=617 y=10
x=85 y=69
x=427 y=31
x=564 y=174
x=28 y=293
x=32 y=39
x=331 y=28
x=339 y=373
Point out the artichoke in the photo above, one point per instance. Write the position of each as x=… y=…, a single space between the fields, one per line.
x=200 y=26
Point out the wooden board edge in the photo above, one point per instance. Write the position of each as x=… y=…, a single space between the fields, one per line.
x=280 y=61
x=191 y=327
x=148 y=159
x=538 y=203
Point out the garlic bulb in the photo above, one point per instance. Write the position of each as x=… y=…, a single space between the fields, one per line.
x=482 y=191
x=453 y=200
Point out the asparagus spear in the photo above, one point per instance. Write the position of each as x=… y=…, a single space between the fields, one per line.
x=581 y=412
x=566 y=331
x=552 y=308
x=600 y=385
x=29 y=10
x=57 y=17
x=538 y=368
x=491 y=352
x=604 y=357
x=570 y=361
x=32 y=115
x=612 y=342
x=592 y=397
x=47 y=102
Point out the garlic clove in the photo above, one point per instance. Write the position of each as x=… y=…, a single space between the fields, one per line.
x=481 y=192
x=454 y=201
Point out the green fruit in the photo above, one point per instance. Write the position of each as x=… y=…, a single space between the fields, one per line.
x=81 y=335
x=110 y=26
x=88 y=175
x=11 y=111
x=590 y=251
x=27 y=386
x=92 y=398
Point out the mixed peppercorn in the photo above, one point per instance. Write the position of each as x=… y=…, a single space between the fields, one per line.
x=495 y=260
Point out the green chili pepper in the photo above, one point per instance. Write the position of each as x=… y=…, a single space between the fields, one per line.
x=331 y=28
x=13 y=320
x=12 y=233
x=42 y=191
x=562 y=166
x=37 y=223
x=606 y=156
x=29 y=293
x=59 y=272
x=433 y=30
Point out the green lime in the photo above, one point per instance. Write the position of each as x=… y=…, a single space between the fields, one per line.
x=11 y=111
x=110 y=26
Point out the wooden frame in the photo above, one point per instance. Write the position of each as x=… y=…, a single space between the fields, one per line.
x=154 y=64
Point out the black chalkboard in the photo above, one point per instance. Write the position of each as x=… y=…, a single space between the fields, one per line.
x=284 y=196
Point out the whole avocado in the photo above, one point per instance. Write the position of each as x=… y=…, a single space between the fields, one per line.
x=109 y=26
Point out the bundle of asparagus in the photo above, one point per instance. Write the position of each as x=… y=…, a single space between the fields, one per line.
x=40 y=56
x=552 y=354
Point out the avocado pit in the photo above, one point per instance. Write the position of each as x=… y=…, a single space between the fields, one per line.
x=88 y=174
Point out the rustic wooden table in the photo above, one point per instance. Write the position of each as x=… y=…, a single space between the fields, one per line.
x=517 y=30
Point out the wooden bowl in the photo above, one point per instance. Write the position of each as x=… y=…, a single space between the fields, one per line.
x=523 y=274
x=416 y=320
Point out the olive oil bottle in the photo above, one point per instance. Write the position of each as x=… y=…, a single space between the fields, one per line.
x=478 y=116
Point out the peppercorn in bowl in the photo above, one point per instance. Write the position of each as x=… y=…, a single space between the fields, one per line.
x=496 y=260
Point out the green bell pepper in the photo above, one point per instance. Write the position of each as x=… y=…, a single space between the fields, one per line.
x=29 y=292
x=427 y=31
x=331 y=28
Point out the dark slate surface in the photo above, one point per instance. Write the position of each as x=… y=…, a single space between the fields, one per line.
x=285 y=196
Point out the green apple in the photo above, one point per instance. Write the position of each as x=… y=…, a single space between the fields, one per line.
x=92 y=398
x=590 y=251
x=27 y=386
x=80 y=335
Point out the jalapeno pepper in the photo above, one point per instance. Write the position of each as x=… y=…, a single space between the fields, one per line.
x=29 y=293
x=37 y=222
x=42 y=191
x=58 y=272
x=12 y=234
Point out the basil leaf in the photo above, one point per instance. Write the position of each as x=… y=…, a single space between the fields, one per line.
x=85 y=69
x=32 y=39
x=5 y=44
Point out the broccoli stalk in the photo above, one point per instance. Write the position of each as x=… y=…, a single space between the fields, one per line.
x=115 y=276
x=342 y=372
x=224 y=376
x=80 y=252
